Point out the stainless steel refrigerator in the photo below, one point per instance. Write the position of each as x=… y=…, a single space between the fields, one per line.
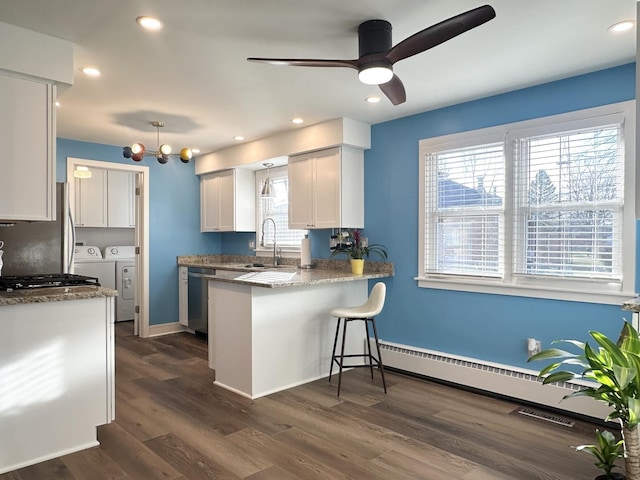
x=35 y=248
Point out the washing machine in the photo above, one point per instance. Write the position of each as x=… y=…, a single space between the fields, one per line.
x=125 y=279
x=88 y=260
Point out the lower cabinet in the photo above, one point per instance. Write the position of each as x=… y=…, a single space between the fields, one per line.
x=57 y=376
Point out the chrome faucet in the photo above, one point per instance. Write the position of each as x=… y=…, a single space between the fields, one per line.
x=275 y=237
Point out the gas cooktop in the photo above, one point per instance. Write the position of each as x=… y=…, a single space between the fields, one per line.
x=8 y=284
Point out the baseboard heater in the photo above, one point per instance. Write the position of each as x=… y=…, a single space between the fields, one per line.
x=505 y=380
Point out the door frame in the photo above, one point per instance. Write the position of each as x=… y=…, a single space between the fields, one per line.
x=141 y=234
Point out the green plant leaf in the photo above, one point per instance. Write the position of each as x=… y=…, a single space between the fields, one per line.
x=551 y=353
x=629 y=340
x=559 y=377
x=611 y=348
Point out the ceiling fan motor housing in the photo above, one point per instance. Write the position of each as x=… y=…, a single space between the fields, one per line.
x=374 y=36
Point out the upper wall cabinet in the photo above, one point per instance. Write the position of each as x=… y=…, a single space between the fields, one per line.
x=27 y=136
x=107 y=199
x=32 y=70
x=326 y=189
x=227 y=201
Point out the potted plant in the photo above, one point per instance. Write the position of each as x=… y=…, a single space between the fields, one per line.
x=353 y=245
x=615 y=370
x=606 y=451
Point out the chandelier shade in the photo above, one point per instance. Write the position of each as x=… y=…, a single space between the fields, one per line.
x=137 y=151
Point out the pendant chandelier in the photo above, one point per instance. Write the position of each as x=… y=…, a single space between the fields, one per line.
x=137 y=151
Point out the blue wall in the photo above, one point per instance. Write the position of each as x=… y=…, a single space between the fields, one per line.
x=487 y=327
x=174 y=220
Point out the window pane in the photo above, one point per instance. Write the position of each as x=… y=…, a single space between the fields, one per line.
x=571 y=188
x=277 y=208
x=465 y=195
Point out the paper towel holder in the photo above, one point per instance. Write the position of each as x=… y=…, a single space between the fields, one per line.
x=308 y=265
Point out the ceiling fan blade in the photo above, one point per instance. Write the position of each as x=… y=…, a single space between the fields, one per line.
x=394 y=90
x=300 y=62
x=440 y=33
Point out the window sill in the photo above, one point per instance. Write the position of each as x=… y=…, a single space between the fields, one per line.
x=549 y=292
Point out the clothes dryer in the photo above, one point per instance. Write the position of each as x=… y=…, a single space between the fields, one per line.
x=125 y=280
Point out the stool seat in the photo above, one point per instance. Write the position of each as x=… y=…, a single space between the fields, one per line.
x=371 y=308
x=365 y=312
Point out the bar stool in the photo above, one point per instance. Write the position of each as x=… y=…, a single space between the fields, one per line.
x=365 y=312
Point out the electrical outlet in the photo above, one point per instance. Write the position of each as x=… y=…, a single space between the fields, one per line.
x=252 y=244
x=533 y=346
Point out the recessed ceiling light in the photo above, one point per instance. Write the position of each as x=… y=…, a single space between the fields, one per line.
x=622 y=26
x=195 y=150
x=91 y=71
x=57 y=103
x=149 y=23
x=372 y=99
x=297 y=120
x=238 y=138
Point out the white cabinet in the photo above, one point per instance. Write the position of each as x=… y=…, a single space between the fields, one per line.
x=121 y=189
x=58 y=372
x=27 y=136
x=107 y=199
x=227 y=201
x=326 y=189
x=91 y=199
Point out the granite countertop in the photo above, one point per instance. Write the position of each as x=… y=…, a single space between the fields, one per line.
x=54 y=294
x=632 y=305
x=240 y=269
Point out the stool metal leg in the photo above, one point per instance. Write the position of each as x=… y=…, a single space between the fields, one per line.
x=368 y=354
x=375 y=334
x=344 y=337
x=333 y=353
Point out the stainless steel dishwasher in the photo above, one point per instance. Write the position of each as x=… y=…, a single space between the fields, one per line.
x=198 y=298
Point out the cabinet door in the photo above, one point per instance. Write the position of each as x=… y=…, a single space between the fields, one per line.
x=120 y=199
x=27 y=137
x=226 y=197
x=209 y=203
x=91 y=199
x=326 y=205
x=301 y=174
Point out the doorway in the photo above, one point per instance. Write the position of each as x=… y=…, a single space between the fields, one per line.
x=140 y=229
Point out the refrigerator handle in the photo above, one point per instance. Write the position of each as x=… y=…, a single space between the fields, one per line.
x=72 y=249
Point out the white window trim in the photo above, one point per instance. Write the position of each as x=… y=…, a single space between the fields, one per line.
x=590 y=291
x=287 y=251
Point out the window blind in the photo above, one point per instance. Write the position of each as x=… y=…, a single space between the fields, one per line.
x=464 y=198
x=569 y=203
x=277 y=207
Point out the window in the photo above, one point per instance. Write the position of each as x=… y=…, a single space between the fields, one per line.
x=276 y=208
x=541 y=208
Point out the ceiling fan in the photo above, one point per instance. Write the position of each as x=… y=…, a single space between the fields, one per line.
x=377 y=56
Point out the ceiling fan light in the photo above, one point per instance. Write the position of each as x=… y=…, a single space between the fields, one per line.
x=137 y=148
x=165 y=149
x=375 y=75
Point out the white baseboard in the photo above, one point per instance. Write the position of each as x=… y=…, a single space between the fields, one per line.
x=506 y=380
x=166 y=329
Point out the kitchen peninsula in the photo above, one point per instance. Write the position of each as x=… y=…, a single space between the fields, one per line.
x=56 y=371
x=270 y=328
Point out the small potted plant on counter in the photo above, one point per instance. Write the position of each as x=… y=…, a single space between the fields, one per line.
x=606 y=451
x=357 y=249
x=614 y=369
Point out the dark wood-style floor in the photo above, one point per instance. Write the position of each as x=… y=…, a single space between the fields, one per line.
x=173 y=423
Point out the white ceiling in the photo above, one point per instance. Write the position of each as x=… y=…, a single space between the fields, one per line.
x=193 y=75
